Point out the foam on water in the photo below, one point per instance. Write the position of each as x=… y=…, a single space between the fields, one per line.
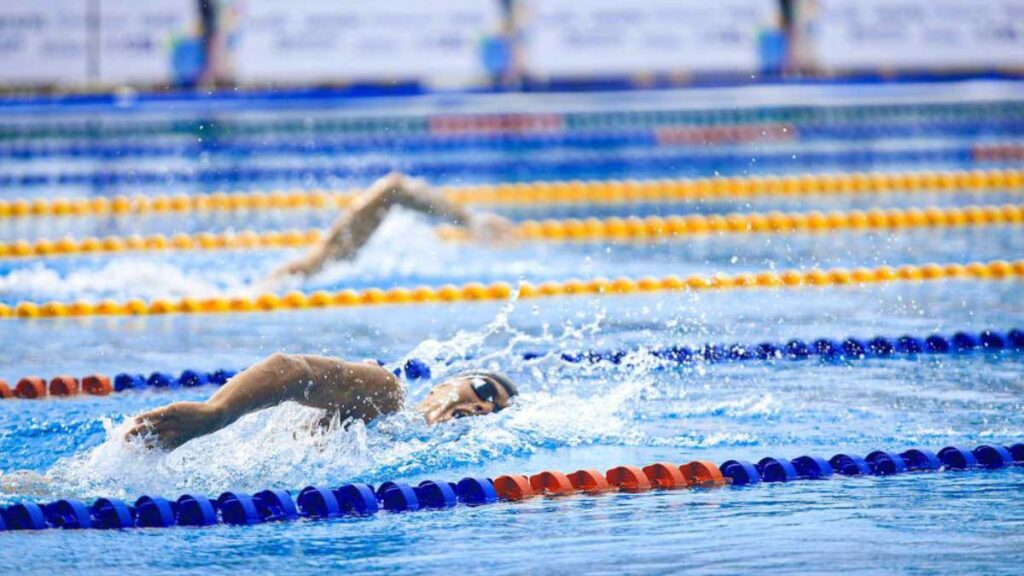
x=119 y=278
x=407 y=246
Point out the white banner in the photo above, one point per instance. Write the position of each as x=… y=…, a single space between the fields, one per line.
x=44 y=43
x=844 y=35
x=626 y=37
x=139 y=40
x=338 y=41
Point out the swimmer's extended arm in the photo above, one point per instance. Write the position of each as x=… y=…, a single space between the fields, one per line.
x=353 y=229
x=351 y=390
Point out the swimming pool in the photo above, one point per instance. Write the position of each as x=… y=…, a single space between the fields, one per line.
x=572 y=415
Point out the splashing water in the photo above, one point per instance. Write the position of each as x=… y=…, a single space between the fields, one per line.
x=577 y=404
x=115 y=279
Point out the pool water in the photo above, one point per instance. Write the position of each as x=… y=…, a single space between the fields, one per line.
x=570 y=415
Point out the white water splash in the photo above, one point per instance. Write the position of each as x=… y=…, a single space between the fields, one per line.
x=578 y=404
x=117 y=278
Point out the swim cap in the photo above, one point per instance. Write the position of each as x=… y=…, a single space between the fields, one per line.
x=494 y=378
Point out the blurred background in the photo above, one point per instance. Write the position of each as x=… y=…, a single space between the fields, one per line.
x=403 y=46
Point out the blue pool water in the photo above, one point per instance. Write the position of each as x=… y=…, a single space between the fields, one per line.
x=570 y=415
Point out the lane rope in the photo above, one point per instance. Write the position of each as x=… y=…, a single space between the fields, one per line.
x=532 y=193
x=654 y=227
x=996 y=270
x=323 y=503
x=825 y=349
x=486 y=123
x=243 y=240
x=614 y=228
x=704 y=160
x=667 y=135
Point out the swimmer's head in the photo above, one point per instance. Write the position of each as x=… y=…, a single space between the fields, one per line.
x=469 y=394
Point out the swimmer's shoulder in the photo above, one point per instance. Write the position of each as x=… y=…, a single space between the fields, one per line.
x=389 y=390
x=361 y=389
x=365 y=374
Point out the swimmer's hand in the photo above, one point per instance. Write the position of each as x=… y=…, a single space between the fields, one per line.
x=302 y=266
x=172 y=426
x=493 y=230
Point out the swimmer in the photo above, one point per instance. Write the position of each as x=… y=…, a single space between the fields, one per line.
x=349 y=390
x=353 y=229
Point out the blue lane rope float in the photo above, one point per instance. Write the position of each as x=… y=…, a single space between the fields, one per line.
x=316 y=502
x=825 y=349
x=694 y=161
x=590 y=140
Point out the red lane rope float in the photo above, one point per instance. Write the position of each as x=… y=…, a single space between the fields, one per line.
x=496 y=123
x=314 y=502
x=999 y=152
x=64 y=386
x=552 y=483
x=665 y=476
x=97 y=385
x=513 y=487
x=589 y=482
x=693 y=135
x=703 y=473
x=32 y=387
x=628 y=479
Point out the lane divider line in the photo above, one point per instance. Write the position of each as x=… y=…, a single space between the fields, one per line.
x=997 y=270
x=524 y=122
x=655 y=227
x=529 y=140
x=701 y=160
x=590 y=229
x=324 y=503
x=828 y=350
x=531 y=193
x=667 y=135
x=243 y=240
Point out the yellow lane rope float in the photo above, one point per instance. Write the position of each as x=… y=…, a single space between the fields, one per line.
x=569 y=192
x=657 y=227
x=159 y=242
x=476 y=291
x=632 y=228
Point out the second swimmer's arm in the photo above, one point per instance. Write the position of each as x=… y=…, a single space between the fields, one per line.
x=364 y=215
x=352 y=390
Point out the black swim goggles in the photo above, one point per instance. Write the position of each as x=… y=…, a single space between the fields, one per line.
x=485 y=390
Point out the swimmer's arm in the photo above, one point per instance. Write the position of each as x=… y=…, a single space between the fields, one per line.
x=355 y=389
x=352 y=390
x=352 y=230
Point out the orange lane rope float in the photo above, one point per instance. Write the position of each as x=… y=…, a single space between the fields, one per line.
x=631 y=228
x=34 y=387
x=529 y=193
x=997 y=270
